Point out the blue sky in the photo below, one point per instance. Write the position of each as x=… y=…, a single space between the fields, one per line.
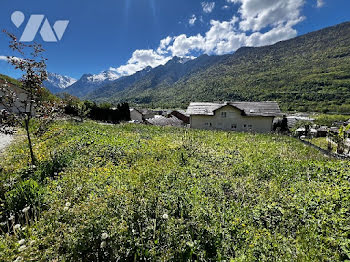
x=125 y=35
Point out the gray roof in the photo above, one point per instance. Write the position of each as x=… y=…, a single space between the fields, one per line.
x=247 y=108
x=181 y=112
x=165 y=121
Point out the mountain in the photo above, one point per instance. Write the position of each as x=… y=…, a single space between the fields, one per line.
x=308 y=73
x=161 y=77
x=56 y=83
x=89 y=82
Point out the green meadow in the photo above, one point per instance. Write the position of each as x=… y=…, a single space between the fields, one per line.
x=142 y=193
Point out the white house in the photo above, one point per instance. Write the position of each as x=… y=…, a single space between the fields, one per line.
x=234 y=116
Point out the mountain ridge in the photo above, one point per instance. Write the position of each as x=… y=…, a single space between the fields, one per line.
x=308 y=72
x=56 y=82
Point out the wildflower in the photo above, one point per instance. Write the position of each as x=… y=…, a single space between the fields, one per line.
x=103 y=244
x=33 y=166
x=24 y=228
x=11 y=218
x=32 y=242
x=165 y=216
x=17 y=226
x=21 y=242
x=104 y=236
x=26 y=209
x=22 y=248
x=67 y=206
x=190 y=244
x=18 y=259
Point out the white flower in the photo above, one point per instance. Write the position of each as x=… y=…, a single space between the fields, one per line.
x=17 y=226
x=190 y=244
x=68 y=204
x=24 y=228
x=26 y=209
x=32 y=242
x=165 y=216
x=22 y=248
x=21 y=242
x=65 y=208
x=103 y=244
x=104 y=236
x=18 y=259
x=33 y=166
x=11 y=218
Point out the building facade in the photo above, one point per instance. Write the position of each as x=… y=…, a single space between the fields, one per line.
x=234 y=116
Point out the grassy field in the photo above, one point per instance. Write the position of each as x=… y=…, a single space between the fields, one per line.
x=142 y=193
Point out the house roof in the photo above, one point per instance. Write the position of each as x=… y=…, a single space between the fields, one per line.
x=142 y=111
x=247 y=108
x=165 y=121
x=183 y=112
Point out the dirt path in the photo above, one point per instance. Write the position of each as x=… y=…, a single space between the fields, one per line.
x=5 y=140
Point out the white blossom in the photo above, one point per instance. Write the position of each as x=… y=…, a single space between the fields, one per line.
x=165 y=216
x=22 y=248
x=18 y=259
x=104 y=236
x=26 y=209
x=21 y=242
x=17 y=226
x=103 y=244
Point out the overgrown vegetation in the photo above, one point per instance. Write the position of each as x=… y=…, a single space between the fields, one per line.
x=330 y=120
x=104 y=112
x=142 y=193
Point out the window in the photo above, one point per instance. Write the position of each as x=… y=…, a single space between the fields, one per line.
x=223 y=114
x=250 y=127
x=245 y=126
x=233 y=126
x=206 y=124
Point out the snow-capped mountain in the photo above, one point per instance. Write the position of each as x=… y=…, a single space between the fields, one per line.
x=104 y=76
x=57 y=83
x=89 y=82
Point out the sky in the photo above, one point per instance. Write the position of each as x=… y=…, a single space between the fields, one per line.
x=125 y=36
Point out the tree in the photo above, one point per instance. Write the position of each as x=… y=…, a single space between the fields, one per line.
x=340 y=139
x=23 y=102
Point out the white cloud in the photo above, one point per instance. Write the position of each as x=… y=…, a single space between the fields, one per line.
x=260 y=22
x=259 y=14
x=320 y=3
x=225 y=7
x=208 y=7
x=4 y=58
x=141 y=59
x=192 y=20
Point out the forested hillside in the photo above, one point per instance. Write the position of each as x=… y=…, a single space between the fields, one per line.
x=307 y=73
